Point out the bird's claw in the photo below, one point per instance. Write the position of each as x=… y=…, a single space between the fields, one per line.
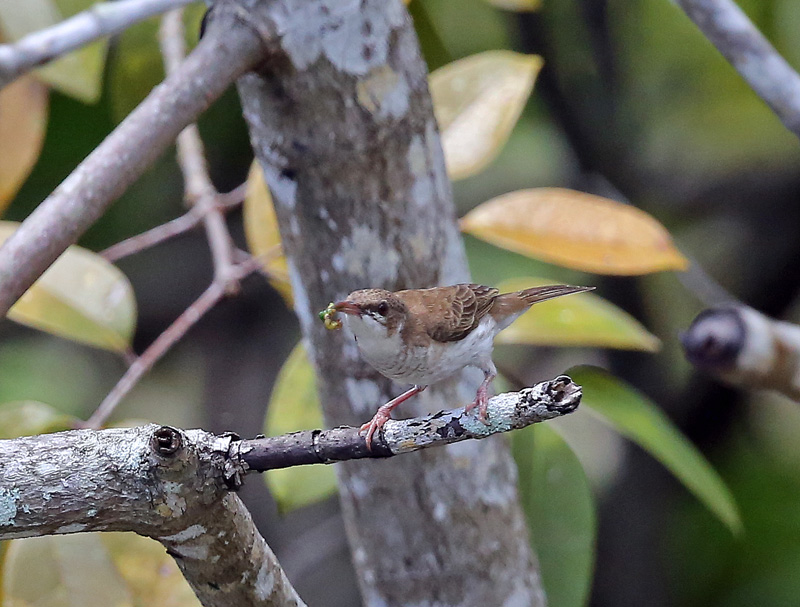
x=372 y=426
x=481 y=402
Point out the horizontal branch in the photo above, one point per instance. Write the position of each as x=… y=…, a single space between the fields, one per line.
x=103 y=19
x=175 y=486
x=508 y=411
x=228 y=49
x=756 y=60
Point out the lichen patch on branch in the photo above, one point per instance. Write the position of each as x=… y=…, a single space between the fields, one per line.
x=8 y=506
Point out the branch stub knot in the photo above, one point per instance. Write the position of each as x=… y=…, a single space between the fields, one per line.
x=167 y=441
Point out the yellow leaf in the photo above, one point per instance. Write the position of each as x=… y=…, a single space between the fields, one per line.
x=23 y=117
x=575 y=230
x=81 y=297
x=520 y=6
x=62 y=571
x=92 y=569
x=28 y=418
x=577 y=320
x=477 y=101
x=261 y=231
x=294 y=405
x=150 y=574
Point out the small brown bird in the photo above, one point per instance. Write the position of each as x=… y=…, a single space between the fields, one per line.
x=422 y=336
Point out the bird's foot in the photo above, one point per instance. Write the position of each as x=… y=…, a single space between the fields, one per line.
x=481 y=402
x=384 y=412
x=373 y=425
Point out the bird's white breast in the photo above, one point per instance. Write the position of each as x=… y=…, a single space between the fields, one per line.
x=422 y=365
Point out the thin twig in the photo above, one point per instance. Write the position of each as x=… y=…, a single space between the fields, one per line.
x=152 y=237
x=232 y=199
x=142 y=364
x=155 y=351
x=180 y=225
x=756 y=60
x=104 y=19
x=199 y=190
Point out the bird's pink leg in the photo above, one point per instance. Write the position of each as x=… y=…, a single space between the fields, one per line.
x=384 y=414
x=482 y=396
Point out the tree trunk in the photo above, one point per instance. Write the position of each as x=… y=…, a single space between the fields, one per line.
x=341 y=121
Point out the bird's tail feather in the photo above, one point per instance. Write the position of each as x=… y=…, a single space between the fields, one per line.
x=509 y=306
x=537 y=294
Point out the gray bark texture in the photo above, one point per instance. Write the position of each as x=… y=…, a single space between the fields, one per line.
x=160 y=482
x=341 y=121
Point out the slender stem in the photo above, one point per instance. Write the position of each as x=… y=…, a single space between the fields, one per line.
x=142 y=364
x=152 y=237
x=199 y=190
x=180 y=225
x=103 y=19
x=756 y=60
x=155 y=351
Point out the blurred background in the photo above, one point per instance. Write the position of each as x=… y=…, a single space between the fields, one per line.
x=632 y=103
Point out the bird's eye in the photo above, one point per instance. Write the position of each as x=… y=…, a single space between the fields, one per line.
x=382 y=308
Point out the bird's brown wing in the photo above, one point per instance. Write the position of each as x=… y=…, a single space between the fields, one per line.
x=449 y=313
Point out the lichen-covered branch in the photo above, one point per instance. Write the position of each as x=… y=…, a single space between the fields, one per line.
x=160 y=482
x=103 y=19
x=228 y=49
x=756 y=60
x=508 y=411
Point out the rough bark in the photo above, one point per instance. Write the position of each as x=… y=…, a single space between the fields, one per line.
x=342 y=124
x=157 y=481
x=508 y=411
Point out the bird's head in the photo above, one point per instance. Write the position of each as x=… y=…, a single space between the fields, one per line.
x=373 y=312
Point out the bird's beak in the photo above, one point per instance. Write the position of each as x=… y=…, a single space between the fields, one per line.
x=347 y=307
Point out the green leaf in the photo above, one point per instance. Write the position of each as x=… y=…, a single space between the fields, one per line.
x=78 y=74
x=81 y=297
x=294 y=405
x=578 y=320
x=27 y=418
x=135 y=68
x=137 y=65
x=477 y=101
x=559 y=507
x=640 y=420
x=92 y=570
x=62 y=571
